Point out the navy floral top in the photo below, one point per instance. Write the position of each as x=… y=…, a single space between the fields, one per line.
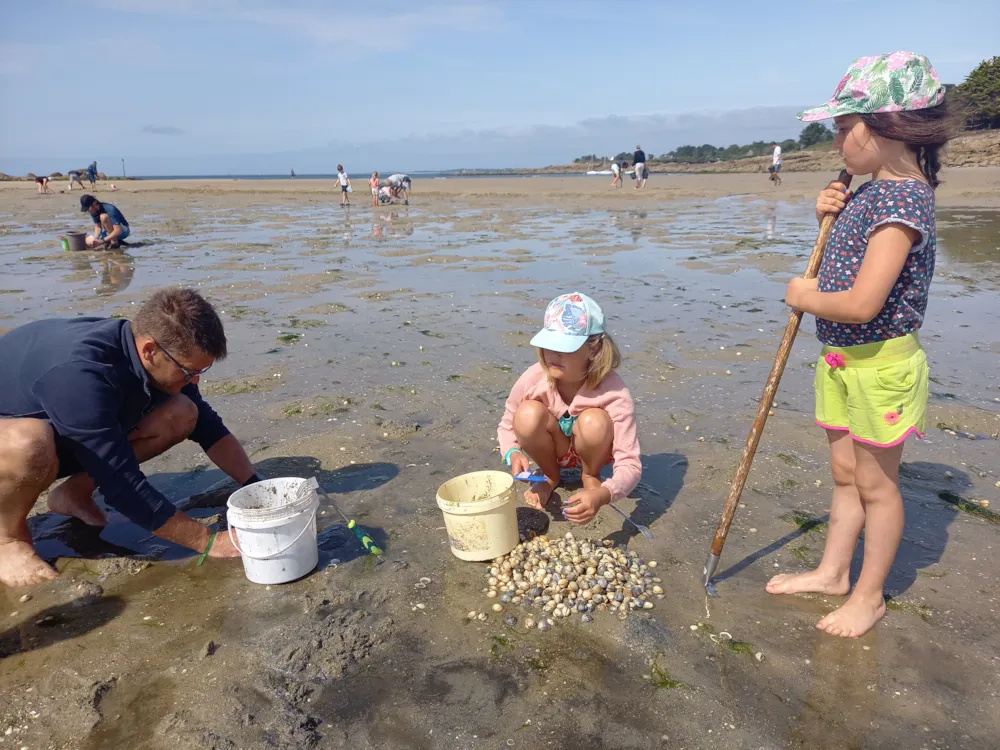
x=879 y=202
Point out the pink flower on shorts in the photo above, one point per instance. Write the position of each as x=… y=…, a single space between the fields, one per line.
x=891 y=417
x=834 y=359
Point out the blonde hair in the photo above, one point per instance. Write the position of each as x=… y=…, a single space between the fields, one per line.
x=605 y=359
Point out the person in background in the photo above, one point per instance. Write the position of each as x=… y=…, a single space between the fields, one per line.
x=92 y=174
x=775 y=167
x=345 y=184
x=110 y=226
x=43 y=185
x=639 y=164
x=400 y=184
x=616 y=175
x=74 y=179
x=90 y=399
x=373 y=185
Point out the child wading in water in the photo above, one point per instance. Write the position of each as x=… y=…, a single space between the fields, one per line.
x=869 y=301
x=572 y=410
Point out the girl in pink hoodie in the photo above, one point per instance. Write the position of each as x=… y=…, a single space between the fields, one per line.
x=572 y=410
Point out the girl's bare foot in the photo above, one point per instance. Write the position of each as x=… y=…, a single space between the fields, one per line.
x=539 y=493
x=858 y=615
x=20 y=565
x=813 y=582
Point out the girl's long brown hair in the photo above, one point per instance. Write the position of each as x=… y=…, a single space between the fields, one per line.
x=924 y=131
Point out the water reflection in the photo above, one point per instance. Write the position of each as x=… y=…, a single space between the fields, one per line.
x=391 y=224
x=772 y=220
x=115 y=270
x=966 y=236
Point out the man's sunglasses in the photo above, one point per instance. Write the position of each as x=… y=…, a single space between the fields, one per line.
x=188 y=375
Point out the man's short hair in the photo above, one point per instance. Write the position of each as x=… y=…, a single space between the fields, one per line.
x=182 y=321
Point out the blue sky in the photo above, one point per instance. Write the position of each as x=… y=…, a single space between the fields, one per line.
x=246 y=86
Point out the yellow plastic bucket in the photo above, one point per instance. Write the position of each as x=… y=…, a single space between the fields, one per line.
x=480 y=514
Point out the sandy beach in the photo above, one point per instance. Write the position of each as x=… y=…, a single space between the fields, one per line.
x=375 y=348
x=978 y=186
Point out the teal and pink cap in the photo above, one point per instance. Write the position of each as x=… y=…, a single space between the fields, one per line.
x=570 y=319
x=900 y=82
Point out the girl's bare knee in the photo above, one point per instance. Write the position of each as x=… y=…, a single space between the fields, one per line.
x=594 y=426
x=530 y=417
x=874 y=487
x=593 y=435
x=842 y=470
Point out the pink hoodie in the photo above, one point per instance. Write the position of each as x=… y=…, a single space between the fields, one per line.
x=611 y=395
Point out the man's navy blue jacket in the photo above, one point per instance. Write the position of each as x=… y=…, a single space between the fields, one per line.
x=84 y=377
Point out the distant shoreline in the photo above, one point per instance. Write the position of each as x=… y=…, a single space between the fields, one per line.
x=972 y=149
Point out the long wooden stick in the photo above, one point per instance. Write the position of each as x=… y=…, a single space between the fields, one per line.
x=766 y=401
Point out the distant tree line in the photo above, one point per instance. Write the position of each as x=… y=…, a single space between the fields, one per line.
x=812 y=135
x=977 y=99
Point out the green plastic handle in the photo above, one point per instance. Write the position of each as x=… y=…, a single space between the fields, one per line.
x=366 y=541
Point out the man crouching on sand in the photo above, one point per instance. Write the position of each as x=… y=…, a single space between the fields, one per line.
x=90 y=399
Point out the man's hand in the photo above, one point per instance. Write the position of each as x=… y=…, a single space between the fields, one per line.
x=185 y=531
x=223 y=546
x=581 y=506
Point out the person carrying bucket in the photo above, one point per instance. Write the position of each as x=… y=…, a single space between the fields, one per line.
x=572 y=410
x=869 y=301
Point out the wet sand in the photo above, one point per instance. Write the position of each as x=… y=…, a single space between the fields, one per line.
x=375 y=349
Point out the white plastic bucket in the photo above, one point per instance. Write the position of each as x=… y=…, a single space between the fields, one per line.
x=275 y=529
x=479 y=514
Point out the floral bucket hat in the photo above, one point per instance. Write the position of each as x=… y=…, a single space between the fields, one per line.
x=902 y=81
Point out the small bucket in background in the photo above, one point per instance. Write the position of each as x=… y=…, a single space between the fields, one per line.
x=75 y=241
x=275 y=529
x=479 y=514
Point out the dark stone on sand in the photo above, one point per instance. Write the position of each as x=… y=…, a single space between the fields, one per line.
x=208 y=650
x=87 y=593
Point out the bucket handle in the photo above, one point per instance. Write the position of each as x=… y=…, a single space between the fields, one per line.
x=281 y=551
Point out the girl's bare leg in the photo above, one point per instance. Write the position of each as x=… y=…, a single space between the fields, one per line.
x=593 y=437
x=877 y=480
x=539 y=436
x=847 y=519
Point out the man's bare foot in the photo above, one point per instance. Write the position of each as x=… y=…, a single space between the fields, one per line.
x=539 y=493
x=812 y=582
x=20 y=565
x=74 y=498
x=858 y=615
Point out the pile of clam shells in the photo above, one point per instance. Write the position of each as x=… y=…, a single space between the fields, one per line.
x=568 y=577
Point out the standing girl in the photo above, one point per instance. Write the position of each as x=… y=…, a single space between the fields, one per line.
x=572 y=410
x=345 y=185
x=373 y=184
x=869 y=301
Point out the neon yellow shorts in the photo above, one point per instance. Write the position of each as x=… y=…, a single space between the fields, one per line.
x=876 y=392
